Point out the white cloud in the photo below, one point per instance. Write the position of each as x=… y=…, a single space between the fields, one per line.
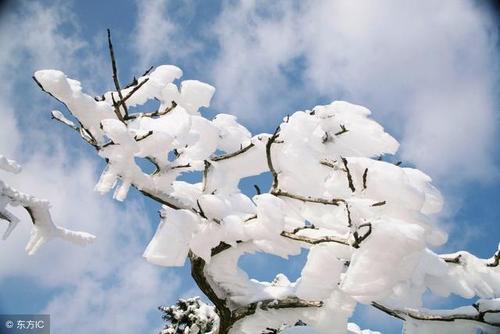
x=157 y=39
x=427 y=70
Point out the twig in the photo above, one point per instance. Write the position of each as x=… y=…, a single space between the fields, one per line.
x=333 y=201
x=314 y=241
x=365 y=177
x=202 y=214
x=116 y=109
x=496 y=259
x=139 y=138
x=269 y=143
x=233 y=154
x=135 y=89
x=359 y=239
x=205 y=174
x=257 y=189
x=349 y=176
x=134 y=81
x=188 y=165
x=115 y=74
x=403 y=314
x=330 y=164
x=57 y=115
x=342 y=130
x=349 y=219
x=288 y=302
x=154 y=113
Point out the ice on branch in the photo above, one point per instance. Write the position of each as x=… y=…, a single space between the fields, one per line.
x=43 y=228
x=369 y=225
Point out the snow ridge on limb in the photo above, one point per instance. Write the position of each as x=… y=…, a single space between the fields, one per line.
x=369 y=224
x=43 y=228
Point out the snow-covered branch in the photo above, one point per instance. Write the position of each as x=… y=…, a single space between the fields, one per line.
x=483 y=312
x=43 y=228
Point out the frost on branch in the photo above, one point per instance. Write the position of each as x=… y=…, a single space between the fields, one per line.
x=43 y=228
x=369 y=225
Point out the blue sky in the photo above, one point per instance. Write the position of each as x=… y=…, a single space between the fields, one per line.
x=428 y=70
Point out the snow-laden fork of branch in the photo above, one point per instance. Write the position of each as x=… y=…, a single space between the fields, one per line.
x=43 y=228
x=369 y=224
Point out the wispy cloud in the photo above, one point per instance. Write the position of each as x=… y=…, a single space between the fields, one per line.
x=157 y=39
x=427 y=70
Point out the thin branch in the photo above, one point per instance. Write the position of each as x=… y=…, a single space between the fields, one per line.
x=349 y=219
x=314 y=241
x=134 y=81
x=379 y=203
x=455 y=259
x=233 y=154
x=154 y=113
x=333 y=201
x=144 y=136
x=91 y=139
x=200 y=212
x=330 y=164
x=135 y=89
x=270 y=165
x=275 y=304
x=116 y=109
x=359 y=239
x=403 y=314
x=306 y=227
x=349 y=176
x=181 y=166
x=365 y=177
x=115 y=73
x=157 y=198
x=155 y=163
x=257 y=189
x=496 y=259
x=58 y=116
x=205 y=174
x=342 y=130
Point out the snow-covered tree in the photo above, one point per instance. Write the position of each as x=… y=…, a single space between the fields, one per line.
x=368 y=224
